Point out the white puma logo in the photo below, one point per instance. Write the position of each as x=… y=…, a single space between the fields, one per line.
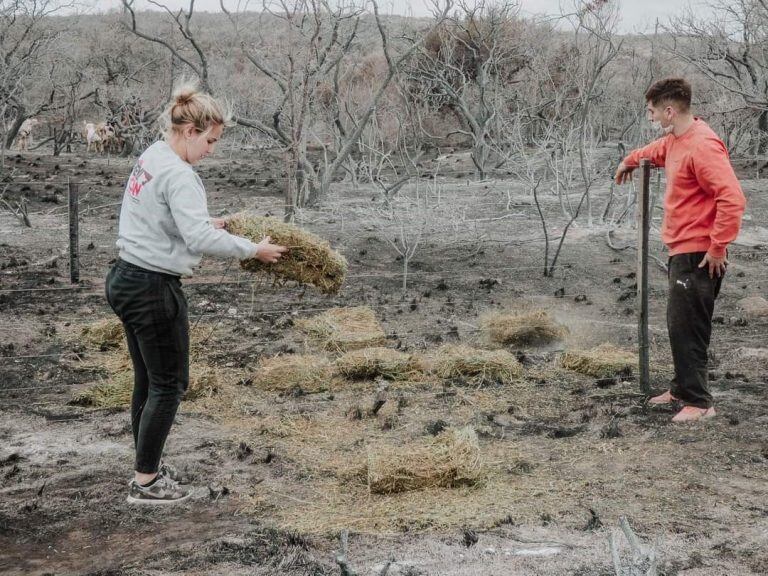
x=684 y=284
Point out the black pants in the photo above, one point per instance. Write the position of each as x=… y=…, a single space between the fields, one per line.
x=691 y=302
x=153 y=310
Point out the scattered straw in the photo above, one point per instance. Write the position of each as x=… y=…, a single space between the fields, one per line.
x=452 y=459
x=341 y=329
x=528 y=329
x=604 y=361
x=116 y=391
x=374 y=362
x=204 y=382
x=113 y=393
x=480 y=366
x=309 y=372
x=310 y=259
x=104 y=334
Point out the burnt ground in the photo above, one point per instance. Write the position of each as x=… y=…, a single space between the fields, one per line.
x=570 y=455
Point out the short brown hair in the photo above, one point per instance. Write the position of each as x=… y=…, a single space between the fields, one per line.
x=670 y=90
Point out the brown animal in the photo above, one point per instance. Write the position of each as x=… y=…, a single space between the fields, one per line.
x=110 y=141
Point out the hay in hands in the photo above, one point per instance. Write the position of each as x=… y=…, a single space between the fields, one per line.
x=368 y=363
x=605 y=361
x=476 y=365
x=452 y=459
x=343 y=329
x=104 y=334
x=310 y=259
x=529 y=329
x=311 y=373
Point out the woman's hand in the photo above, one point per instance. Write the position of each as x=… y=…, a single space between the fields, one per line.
x=219 y=223
x=267 y=252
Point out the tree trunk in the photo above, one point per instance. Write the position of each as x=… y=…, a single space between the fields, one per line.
x=762 y=132
x=480 y=155
x=14 y=129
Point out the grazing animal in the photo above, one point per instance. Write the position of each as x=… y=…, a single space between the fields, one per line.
x=92 y=137
x=24 y=137
x=110 y=141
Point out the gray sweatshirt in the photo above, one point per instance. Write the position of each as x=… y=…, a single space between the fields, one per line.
x=164 y=221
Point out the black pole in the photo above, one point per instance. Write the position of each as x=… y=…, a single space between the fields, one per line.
x=643 y=231
x=74 y=253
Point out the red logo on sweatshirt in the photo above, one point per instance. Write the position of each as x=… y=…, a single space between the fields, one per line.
x=139 y=177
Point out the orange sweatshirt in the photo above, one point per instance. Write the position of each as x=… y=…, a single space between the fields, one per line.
x=704 y=202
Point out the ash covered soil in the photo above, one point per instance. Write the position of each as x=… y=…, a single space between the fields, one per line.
x=568 y=454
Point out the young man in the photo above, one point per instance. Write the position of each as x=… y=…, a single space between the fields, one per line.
x=703 y=205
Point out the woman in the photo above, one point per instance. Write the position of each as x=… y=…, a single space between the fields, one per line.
x=164 y=231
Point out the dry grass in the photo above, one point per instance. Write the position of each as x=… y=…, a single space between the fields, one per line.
x=450 y=460
x=114 y=362
x=310 y=259
x=478 y=366
x=309 y=372
x=343 y=329
x=369 y=363
x=104 y=334
x=116 y=391
x=605 y=361
x=529 y=329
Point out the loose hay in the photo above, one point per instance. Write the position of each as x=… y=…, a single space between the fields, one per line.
x=534 y=328
x=479 y=366
x=452 y=459
x=104 y=334
x=309 y=372
x=605 y=361
x=343 y=329
x=374 y=362
x=116 y=391
x=204 y=382
x=310 y=259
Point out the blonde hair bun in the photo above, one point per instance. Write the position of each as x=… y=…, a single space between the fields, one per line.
x=190 y=105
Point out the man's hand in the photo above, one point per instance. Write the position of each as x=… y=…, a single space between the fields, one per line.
x=219 y=222
x=716 y=265
x=624 y=173
x=267 y=252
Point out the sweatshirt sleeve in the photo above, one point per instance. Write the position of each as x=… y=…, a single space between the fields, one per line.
x=656 y=152
x=189 y=207
x=716 y=177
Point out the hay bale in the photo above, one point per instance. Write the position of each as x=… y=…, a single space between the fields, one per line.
x=529 y=329
x=368 y=363
x=344 y=329
x=605 y=361
x=479 y=366
x=309 y=372
x=104 y=334
x=451 y=459
x=113 y=393
x=203 y=382
x=311 y=260
x=117 y=390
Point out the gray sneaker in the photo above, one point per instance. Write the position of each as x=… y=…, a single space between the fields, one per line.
x=163 y=491
x=170 y=472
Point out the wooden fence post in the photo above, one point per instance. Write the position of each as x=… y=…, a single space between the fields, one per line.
x=74 y=232
x=643 y=232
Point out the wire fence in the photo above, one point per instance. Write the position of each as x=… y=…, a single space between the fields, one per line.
x=342 y=220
